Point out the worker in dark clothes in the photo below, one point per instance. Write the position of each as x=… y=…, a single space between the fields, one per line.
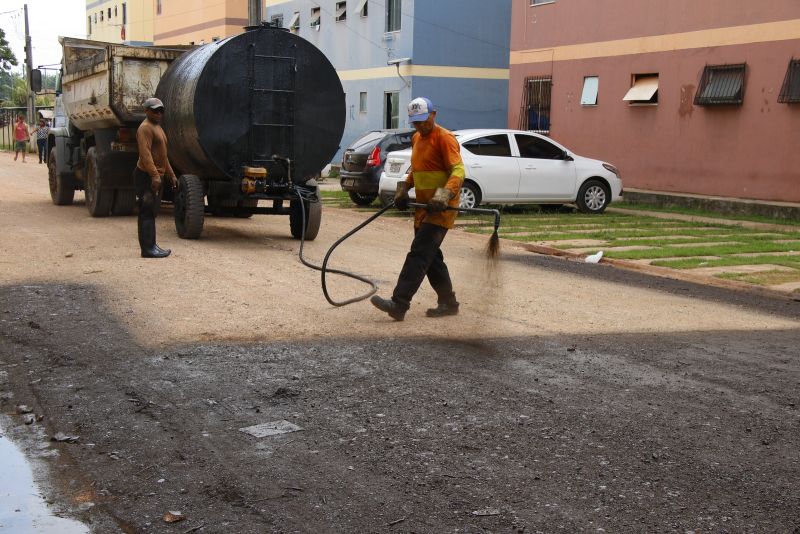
x=151 y=169
x=437 y=173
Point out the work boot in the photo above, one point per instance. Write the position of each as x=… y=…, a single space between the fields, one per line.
x=443 y=309
x=395 y=310
x=156 y=252
x=147 y=238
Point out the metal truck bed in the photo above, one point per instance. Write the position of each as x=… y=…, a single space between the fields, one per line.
x=104 y=84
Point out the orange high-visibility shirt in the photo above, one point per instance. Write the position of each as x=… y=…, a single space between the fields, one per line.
x=436 y=162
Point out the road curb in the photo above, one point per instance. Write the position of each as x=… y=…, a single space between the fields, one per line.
x=660 y=272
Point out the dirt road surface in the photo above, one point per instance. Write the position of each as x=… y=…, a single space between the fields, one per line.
x=564 y=398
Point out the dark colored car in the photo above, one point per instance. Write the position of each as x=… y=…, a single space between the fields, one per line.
x=364 y=159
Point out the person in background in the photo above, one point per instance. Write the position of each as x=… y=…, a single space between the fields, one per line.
x=151 y=168
x=41 y=131
x=437 y=173
x=21 y=137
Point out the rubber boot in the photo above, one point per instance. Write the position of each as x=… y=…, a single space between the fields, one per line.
x=147 y=239
x=444 y=308
x=395 y=310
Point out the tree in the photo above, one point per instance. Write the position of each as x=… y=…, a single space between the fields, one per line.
x=7 y=58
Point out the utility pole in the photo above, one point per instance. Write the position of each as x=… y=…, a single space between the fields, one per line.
x=254 y=12
x=28 y=69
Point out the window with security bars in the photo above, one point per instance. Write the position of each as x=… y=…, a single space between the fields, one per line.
x=535 y=110
x=721 y=85
x=790 y=91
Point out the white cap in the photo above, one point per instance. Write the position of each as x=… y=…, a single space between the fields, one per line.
x=420 y=109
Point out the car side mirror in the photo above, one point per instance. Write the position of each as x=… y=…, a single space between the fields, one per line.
x=566 y=157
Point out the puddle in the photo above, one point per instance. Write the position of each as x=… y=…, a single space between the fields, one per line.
x=22 y=508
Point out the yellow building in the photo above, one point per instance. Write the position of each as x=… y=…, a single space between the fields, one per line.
x=198 y=21
x=120 y=21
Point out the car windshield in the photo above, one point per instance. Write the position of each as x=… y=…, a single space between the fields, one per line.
x=367 y=141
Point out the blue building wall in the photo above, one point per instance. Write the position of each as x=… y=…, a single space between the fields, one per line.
x=438 y=36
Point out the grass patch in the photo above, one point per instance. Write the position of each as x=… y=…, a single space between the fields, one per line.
x=721 y=250
x=766 y=278
x=693 y=263
x=701 y=213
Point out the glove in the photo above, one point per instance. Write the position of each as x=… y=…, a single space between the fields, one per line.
x=401 y=196
x=440 y=199
x=155 y=185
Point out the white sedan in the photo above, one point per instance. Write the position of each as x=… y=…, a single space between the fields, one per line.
x=517 y=167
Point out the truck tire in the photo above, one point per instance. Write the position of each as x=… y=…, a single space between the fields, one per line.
x=189 y=207
x=98 y=202
x=62 y=188
x=313 y=218
x=124 y=201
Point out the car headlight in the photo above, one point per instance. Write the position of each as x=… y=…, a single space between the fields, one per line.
x=613 y=169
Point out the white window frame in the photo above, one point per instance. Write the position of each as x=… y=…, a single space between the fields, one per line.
x=341 y=11
x=316 y=18
x=399 y=27
x=591 y=88
x=361 y=8
x=362 y=102
x=294 y=23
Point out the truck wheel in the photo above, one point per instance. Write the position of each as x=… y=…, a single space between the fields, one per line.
x=124 y=201
x=98 y=202
x=189 y=207
x=62 y=188
x=313 y=218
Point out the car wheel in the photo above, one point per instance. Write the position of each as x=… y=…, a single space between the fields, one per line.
x=362 y=199
x=593 y=197
x=470 y=195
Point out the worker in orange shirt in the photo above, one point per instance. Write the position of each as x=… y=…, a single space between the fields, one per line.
x=437 y=173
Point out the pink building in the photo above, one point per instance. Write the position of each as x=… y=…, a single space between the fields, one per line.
x=683 y=96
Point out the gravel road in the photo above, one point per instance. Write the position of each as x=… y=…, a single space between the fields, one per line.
x=565 y=398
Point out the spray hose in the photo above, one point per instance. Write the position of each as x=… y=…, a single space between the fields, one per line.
x=492 y=248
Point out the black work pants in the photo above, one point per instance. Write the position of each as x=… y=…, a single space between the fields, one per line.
x=40 y=144
x=425 y=259
x=148 y=209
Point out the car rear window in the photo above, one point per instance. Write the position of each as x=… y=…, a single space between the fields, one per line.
x=366 y=142
x=491 y=145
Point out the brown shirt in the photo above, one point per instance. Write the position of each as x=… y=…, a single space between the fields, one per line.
x=152 y=143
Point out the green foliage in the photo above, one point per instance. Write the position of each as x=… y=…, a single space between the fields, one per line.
x=7 y=58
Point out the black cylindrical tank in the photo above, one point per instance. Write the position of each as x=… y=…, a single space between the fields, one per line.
x=239 y=101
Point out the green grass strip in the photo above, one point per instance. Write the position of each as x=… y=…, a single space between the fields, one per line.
x=693 y=263
x=701 y=213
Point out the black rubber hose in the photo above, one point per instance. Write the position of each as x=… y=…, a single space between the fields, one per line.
x=324 y=270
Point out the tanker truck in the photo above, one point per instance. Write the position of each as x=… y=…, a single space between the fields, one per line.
x=251 y=120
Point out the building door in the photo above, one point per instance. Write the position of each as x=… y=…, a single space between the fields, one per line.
x=392 y=110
